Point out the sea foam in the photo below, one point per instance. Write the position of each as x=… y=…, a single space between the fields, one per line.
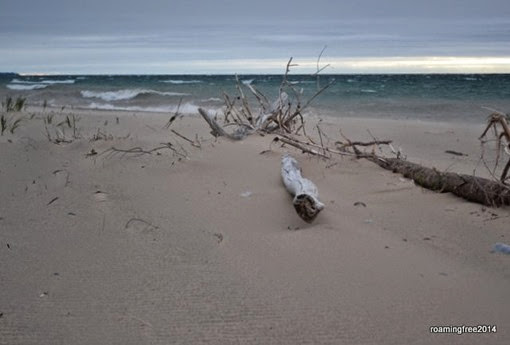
x=126 y=94
x=186 y=108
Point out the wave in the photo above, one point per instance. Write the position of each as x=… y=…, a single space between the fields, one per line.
x=248 y=81
x=67 y=81
x=186 y=108
x=368 y=91
x=172 y=81
x=43 y=82
x=26 y=87
x=126 y=94
x=303 y=82
x=212 y=99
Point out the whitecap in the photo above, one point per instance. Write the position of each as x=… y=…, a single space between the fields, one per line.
x=25 y=87
x=66 y=81
x=173 y=81
x=126 y=94
x=248 y=81
x=43 y=82
x=212 y=99
x=18 y=81
x=368 y=91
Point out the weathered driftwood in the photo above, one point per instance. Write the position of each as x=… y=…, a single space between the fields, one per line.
x=305 y=193
x=283 y=115
x=218 y=131
x=468 y=187
x=495 y=119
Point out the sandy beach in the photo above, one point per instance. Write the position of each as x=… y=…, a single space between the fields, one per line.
x=161 y=249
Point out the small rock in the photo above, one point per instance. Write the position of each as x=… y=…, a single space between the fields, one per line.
x=360 y=203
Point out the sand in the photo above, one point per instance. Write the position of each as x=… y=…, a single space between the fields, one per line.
x=160 y=250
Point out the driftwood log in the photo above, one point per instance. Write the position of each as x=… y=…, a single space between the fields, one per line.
x=468 y=187
x=305 y=193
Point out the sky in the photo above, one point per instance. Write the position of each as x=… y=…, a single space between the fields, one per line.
x=226 y=36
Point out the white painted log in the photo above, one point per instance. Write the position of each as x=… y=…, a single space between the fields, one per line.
x=305 y=193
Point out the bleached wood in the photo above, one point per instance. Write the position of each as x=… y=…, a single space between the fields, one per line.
x=216 y=130
x=305 y=193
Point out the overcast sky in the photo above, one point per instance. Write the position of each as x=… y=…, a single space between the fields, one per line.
x=257 y=36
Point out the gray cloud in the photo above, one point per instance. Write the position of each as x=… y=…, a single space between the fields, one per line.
x=93 y=33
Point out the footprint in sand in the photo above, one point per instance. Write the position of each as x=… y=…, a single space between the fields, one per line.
x=100 y=196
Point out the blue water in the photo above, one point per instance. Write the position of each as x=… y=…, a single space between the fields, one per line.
x=436 y=97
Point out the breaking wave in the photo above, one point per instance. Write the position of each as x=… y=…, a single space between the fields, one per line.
x=42 y=82
x=126 y=94
x=186 y=108
x=26 y=87
x=212 y=99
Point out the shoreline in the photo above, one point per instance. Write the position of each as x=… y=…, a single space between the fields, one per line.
x=157 y=248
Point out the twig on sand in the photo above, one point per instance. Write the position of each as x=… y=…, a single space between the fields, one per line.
x=192 y=142
x=134 y=220
x=139 y=151
x=52 y=201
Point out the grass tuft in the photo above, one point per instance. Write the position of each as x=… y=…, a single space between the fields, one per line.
x=11 y=104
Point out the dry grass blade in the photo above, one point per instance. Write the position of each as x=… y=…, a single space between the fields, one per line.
x=176 y=114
